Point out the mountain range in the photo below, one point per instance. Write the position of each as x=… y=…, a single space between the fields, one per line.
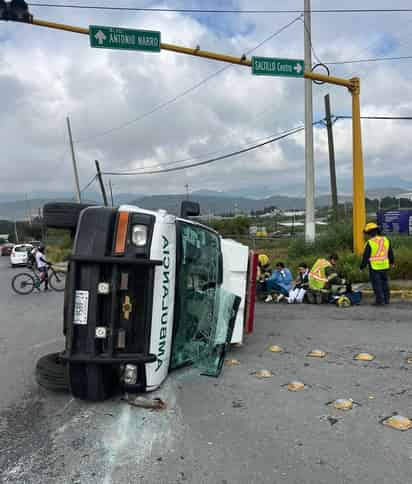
x=210 y=202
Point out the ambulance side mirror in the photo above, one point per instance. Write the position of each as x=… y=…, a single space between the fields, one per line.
x=189 y=209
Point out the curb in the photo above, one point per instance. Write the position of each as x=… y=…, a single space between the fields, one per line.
x=396 y=294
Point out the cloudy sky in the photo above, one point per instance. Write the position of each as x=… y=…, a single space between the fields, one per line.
x=114 y=99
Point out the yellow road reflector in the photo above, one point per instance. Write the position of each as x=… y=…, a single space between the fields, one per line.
x=275 y=349
x=264 y=374
x=398 y=422
x=296 y=386
x=232 y=362
x=317 y=354
x=343 y=404
x=409 y=360
x=364 y=357
x=371 y=397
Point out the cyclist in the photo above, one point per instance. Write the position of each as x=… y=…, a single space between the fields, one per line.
x=42 y=265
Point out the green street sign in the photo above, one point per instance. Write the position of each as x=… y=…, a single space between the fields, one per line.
x=271 y=66
x=126 y=39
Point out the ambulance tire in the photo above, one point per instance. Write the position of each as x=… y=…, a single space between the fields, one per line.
x=63 y=215
x=51 y=373
x=91 y=382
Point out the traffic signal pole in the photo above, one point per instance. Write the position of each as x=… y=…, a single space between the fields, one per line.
x=352 y=84
x=359 y=215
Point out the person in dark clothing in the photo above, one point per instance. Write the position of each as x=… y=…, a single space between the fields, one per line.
x=378 y=256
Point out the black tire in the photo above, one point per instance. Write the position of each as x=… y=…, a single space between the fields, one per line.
x=57 y=281
x=91 y=382
x=63 y=215
x=23 y=283
x=51 y=373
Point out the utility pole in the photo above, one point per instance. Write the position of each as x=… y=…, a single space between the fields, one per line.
x=76 y=174
x=28 y=209
x=332 y=168
x=309 y=163
x=16 y=235
x=187 y=191
x=100 y=178
x=111 y=192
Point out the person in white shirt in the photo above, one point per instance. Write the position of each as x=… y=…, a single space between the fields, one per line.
x=297 y=294
x=42 y=266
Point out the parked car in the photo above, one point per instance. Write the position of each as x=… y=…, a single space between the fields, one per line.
x=20 y=254
x=6 y=249
x=35 y=243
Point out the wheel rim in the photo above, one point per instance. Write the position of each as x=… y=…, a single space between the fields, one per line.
x=23 y=283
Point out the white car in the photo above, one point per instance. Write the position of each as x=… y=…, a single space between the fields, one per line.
x=20 y=254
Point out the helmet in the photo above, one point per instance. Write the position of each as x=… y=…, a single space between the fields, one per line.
x=343 y=302
x=263 y=260
x=370 y=226
x=41 y=248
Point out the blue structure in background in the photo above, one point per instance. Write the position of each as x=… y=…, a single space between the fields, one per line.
x=395 y=221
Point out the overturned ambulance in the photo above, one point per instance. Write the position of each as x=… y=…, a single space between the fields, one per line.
x=148 y=292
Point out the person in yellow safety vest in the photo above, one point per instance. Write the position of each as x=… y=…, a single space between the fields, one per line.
x=378 y=255
x=323 y=274
x=263 y=269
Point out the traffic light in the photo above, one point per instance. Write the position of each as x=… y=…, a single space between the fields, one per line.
x=16 y=10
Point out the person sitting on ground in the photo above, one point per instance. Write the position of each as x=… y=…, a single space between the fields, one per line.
x=298 y=292
x=279 y=282
x=263 y=269
x=42 y=265
x=323 y=277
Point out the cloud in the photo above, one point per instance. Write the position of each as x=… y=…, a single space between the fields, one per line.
x=46 y=75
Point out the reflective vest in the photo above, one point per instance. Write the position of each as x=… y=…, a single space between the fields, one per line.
x=379 y=259
x=317 y=275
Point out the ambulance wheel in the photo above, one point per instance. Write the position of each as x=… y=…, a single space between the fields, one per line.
x=91 y=382
x=51 y=373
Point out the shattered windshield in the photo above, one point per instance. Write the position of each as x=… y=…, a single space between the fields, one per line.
x=204 y=313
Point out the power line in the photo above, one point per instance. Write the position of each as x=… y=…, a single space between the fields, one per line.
x=185 y=160
x=373 y=59
x=88 y=184
x=186 y=91
x=212 y=160
x=217 y=11
x=310 y=42
x=378 y=117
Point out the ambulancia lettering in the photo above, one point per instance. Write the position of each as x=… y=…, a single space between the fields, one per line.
x=165 y=302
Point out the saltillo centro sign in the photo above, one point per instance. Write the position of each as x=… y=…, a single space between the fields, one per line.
x=270 y=66
x=125 y=39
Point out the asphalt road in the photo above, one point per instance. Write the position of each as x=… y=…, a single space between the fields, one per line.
x=235 y=429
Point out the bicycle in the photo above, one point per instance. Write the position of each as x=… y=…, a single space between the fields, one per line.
x=24 y=283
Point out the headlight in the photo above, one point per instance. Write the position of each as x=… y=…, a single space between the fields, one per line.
x=139 y=235
x=130 y=374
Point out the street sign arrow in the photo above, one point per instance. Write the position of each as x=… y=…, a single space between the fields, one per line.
x=298 y=69
x=100 y=37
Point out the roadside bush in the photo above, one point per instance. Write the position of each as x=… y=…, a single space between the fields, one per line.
x=59 y=245
x=57 y=254
x=338 y=239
